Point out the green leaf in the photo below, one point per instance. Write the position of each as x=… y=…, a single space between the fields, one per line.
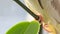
x=25 y=28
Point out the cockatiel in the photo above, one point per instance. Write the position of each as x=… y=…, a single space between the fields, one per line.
x=49 y=11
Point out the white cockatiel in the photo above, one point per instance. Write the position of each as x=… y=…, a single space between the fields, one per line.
x=49 y=10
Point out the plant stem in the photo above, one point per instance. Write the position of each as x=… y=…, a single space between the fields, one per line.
x=27 y=9
x=40 y=31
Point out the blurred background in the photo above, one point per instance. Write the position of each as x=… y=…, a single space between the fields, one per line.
x=11 y=13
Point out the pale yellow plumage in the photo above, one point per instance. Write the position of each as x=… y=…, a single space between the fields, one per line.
x=53 y=7
x=50 y=15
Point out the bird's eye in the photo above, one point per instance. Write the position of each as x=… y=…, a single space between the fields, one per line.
x=39 y=1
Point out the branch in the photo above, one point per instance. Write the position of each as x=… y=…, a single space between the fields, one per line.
x=27 y=9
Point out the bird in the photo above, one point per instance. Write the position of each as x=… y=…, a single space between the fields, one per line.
x=49 y=11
